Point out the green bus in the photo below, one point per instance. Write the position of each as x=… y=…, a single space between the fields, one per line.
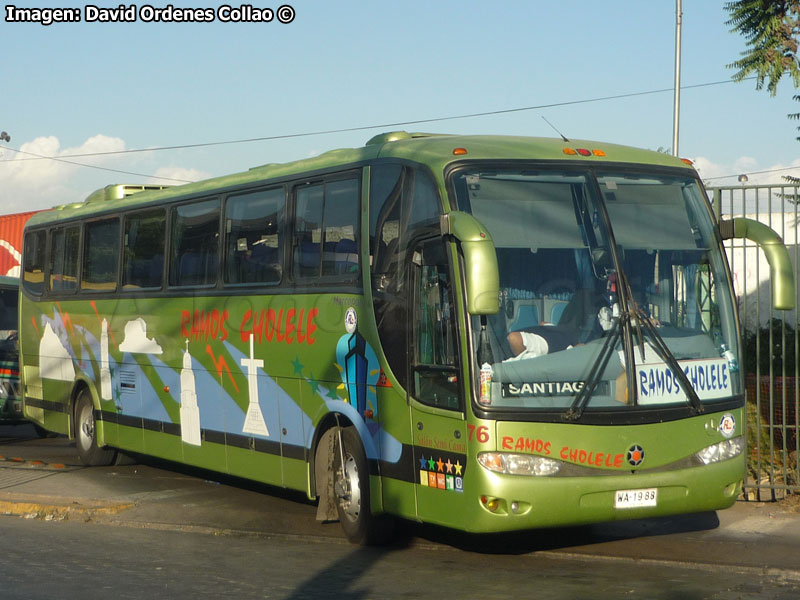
x=482 y=332
x=10 y=398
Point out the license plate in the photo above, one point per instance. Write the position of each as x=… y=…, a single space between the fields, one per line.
x=635 y=498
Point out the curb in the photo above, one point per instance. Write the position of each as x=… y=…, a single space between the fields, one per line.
x=46 y=509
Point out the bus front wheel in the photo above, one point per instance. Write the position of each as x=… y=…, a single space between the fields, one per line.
x=351 y=490
x=86 y=435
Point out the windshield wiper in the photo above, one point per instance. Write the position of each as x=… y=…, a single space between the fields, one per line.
x=631 y=315
x=639 y=319
x=663 y=351
x=575 y=409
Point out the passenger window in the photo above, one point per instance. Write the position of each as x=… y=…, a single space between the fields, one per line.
x=326 y=230
x=33 y=262
x=144 y=250
x=9 y=310
x=435 y=364
x=101 y=256
x=340 y=253
x=308 y=231
x=254 y=228
x=194 y=255
x=64 y=250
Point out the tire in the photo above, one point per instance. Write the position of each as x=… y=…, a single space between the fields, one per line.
x=86 y=435
x=351 y=492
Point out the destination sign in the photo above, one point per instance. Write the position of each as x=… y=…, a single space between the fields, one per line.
x=549 y=388
x=657 y=383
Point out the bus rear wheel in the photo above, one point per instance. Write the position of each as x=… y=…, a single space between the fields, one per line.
x=351 y=491
x=86 y=436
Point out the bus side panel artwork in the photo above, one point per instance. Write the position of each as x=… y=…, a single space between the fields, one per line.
x=232 y=389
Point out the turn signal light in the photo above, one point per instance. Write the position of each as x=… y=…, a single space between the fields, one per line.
x=583 y=152
x=490 y=503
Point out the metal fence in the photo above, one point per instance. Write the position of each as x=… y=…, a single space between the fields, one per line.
x=770 y=341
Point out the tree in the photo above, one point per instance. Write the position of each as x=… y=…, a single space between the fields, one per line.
x=772 y=29
x=788 y=178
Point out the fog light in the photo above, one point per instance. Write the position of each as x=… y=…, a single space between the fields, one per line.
x=515 y=507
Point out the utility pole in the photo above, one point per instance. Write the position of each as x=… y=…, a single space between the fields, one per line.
x=677 y=104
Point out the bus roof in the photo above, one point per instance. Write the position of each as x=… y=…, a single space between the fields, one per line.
x=434 y=150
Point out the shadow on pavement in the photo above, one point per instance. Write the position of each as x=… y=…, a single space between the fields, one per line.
x=561 y=538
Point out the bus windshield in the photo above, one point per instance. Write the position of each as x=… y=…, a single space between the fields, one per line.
x=600 y=269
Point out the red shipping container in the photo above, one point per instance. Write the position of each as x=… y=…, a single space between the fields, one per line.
x=11 y=227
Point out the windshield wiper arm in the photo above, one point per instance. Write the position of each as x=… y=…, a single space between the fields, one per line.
x=575 y=410
x=668 y=357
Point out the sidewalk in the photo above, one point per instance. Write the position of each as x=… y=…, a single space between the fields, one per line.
x=44 y=479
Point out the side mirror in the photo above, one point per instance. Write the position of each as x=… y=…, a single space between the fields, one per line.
x=480 y=259
x=780 y=266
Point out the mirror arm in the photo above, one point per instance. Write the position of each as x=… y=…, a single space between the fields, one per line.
x=780 y=265
x=480 y=260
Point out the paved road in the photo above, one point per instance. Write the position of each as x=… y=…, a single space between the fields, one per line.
x=66 y=560
x=750 y=550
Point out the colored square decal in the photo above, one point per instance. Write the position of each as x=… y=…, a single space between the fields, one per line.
x=459 y=484
x=440 y=481
x=423 y=478
x=451 y=482
x=431 y=479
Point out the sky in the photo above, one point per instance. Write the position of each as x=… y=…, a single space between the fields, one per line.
x=595 y=70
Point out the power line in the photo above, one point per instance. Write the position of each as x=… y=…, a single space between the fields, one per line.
x=62 y=159
x=379 y=126
x=77 y=164
x=751 y=173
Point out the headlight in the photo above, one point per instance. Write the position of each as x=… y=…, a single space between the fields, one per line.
x=518 y=464
x=722 y=451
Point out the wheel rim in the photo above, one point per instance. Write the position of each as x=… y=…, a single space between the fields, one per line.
x=347 y=488
x=85 y=427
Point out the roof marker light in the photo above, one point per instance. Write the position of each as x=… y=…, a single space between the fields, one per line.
x=598 y=152
x=569 y=151
x=686 y=161
x=584 y=152
x=459 y=151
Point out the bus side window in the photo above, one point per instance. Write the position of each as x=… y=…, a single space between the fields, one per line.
x=64 y=250
x=340 y=251
x=326 y=222
x=435 y=365
x=194 y=253
x=308 y=230
x=33 y=258
x=254 y=235
x=101 y=256
x=143 y=247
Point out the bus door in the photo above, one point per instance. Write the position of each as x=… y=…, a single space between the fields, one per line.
x=434 y=386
